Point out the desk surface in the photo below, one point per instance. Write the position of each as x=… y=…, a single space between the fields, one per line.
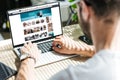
x=8 y=57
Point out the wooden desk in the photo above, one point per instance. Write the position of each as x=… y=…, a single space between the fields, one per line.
x=8 y=57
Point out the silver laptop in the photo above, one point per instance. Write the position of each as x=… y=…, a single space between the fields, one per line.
x=39 y=24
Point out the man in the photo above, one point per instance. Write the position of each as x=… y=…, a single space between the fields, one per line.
x=102 y=18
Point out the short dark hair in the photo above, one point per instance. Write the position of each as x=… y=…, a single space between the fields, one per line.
x=104 y=7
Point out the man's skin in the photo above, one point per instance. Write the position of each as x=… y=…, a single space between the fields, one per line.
x=104 y=33
x=26 y=71
x=69 y=46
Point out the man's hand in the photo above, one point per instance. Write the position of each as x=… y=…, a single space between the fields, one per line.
x=26 y=70
x=69 y=46
x=30 y=49
x=65 y=43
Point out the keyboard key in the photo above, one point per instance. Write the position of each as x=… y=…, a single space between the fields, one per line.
x=19 y=50
x=45 y=47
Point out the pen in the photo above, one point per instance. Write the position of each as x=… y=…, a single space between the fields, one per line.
x=58 y=46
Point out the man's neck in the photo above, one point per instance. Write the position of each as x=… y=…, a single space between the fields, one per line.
x=109 y=37
x=115 y=43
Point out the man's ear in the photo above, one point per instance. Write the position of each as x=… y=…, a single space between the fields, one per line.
x=85 y=11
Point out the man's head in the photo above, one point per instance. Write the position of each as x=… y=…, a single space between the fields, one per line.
x=95 y=14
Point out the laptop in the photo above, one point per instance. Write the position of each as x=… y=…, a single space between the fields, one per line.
x=39 y=24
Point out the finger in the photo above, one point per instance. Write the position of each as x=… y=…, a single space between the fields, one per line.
x=56 y=49
x=24 y=50
x=58 y=37
x=56 y=42
x=30 y=44
x=34 y=44
x=27 y=46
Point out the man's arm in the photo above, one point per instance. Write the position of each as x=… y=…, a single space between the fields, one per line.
x=26 y=70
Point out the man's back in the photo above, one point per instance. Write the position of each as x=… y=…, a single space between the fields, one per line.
x=105 y=65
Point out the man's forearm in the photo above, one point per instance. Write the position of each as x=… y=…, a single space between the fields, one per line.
x=84 y=49
x=26 y=70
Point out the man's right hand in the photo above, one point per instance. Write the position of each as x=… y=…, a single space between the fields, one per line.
x=65 y=43
x=69 y=46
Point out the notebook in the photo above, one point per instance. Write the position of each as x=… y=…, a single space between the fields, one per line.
x=39 y=24
x=6 y=72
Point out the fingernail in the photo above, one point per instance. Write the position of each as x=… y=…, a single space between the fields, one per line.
x=52 y=47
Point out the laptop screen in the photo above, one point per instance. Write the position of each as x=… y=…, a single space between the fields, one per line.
x=35 y=23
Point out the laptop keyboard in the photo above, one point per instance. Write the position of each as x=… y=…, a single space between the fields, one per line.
x=48 y=57
x=45 y=47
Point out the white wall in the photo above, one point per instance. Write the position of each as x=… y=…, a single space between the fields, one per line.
x=64 y=13
x=64 y=7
